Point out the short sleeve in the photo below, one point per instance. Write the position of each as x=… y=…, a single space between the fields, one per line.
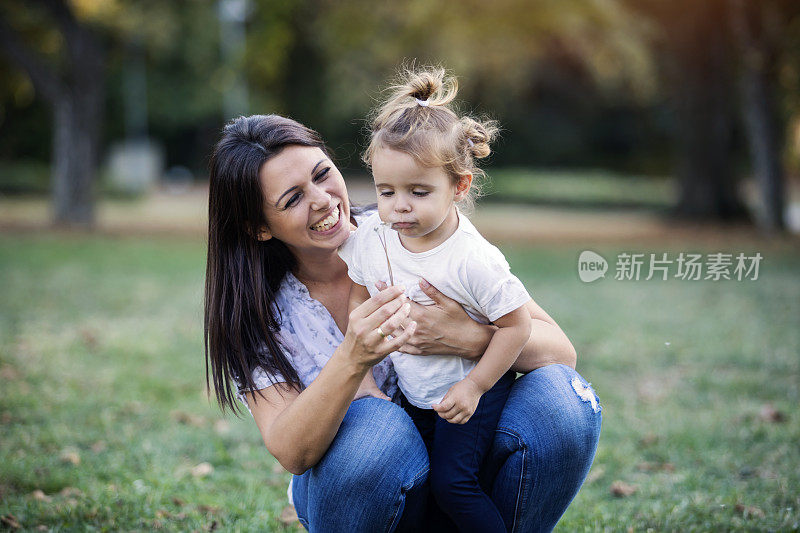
x=261 y=379
x=349 y=254
x=494 y=287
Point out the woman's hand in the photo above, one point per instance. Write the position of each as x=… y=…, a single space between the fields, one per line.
x=369 y=330
x=444 y=328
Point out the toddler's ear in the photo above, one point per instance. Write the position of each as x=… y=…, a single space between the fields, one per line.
x=462 y=186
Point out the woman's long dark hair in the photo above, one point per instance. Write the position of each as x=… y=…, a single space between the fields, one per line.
x=243 y=274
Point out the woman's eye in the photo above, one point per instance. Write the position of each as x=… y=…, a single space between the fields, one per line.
x=293 y=200
x=321 y=175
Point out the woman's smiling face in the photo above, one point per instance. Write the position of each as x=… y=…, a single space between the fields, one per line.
x=305 y=200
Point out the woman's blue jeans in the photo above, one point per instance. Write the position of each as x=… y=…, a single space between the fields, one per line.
x=373 y=478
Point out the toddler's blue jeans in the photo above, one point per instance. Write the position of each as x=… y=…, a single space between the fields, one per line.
x=456 y=453
x=374 y=476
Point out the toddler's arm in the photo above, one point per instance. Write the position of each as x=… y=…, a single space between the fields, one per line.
x=368 y=387
x=507 y=342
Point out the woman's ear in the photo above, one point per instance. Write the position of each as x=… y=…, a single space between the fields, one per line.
x=263 y=234
x=462 y=186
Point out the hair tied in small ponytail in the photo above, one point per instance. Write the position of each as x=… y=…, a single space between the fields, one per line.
x=423 y=103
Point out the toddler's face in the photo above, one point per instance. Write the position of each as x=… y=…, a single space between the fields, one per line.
x=414 y=199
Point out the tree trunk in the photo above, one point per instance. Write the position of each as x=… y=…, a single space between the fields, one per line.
x=702 y=84
x=759 y=109
x=75 y=153
x=707 y=185
x=76 y=92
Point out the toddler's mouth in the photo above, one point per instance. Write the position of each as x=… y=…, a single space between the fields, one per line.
x=402 y=225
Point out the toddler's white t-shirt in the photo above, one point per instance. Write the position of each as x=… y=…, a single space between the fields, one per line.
x=466 y=268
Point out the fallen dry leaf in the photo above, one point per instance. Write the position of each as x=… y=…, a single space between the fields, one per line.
x=42 y=527
x=177 y=501
x=646 y=466
x=68 y=492
x=749 y=511
x=188 y=419
x=208 y=509
x=70 y=455
x=202 y=470
x=288 y=515
x=40 y=496
x=10 y=521
x=620 y=489
x=648 y=440
x=9 y=373
x=768 y=413
x=89 y=338
x=99 y=446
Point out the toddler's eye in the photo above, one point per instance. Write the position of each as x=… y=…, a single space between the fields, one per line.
x=386 y=193
x=420 y=193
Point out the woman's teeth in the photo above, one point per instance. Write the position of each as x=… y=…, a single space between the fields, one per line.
x=328 y=222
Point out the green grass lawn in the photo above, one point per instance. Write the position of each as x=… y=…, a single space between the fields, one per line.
x=579 y=188
x=104 y=411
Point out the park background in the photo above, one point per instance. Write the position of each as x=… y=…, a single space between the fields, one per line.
x=628 y=126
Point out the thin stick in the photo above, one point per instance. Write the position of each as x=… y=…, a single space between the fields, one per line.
x=381 y=231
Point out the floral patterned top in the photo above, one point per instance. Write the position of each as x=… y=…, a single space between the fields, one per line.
x=309 y=336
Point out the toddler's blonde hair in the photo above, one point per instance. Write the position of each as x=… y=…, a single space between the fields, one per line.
x=419 y=118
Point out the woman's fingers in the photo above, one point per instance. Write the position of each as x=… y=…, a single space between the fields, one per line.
x=396 y=342
x=410 y=349
x=434 y=294
x=378 y=301
x=398 y=322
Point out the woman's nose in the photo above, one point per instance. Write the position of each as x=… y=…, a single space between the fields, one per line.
x=321 y=199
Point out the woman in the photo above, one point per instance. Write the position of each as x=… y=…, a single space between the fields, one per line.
x=277 y=329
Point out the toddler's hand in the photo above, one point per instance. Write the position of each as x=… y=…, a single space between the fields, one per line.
x=460 y=402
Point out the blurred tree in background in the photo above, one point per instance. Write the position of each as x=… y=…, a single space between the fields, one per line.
x=67 y=69
x=622 y=84
x=718 y=57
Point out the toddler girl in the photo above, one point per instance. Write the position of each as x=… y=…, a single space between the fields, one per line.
x=422 y=156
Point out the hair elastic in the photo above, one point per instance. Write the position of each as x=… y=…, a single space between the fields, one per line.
x=470 y=143
x=423 y=103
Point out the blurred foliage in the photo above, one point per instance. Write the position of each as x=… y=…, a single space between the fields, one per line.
x=586 y=188
x=572 y=83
